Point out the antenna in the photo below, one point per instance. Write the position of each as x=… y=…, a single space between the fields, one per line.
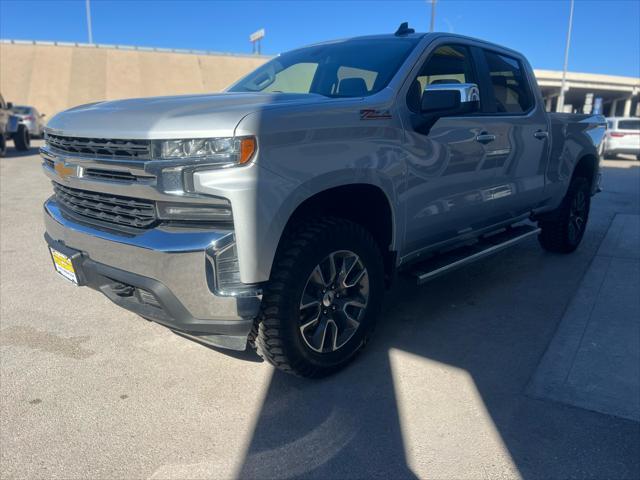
x=404 y=29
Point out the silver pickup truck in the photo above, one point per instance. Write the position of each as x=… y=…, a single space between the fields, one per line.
x=276 y=214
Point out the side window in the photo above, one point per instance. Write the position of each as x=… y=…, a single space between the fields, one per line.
x=509 y=81
x=447 y=64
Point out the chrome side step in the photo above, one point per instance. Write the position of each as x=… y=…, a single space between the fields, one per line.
x=446 y=262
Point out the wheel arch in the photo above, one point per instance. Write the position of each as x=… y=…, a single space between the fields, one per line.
x=587 y=166
x=365 y=203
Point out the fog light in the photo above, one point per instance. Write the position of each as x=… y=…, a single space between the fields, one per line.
x=202 y=213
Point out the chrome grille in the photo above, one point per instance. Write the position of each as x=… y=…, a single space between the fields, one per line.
x=126 y=211
x=101 y=147
x=113 y=175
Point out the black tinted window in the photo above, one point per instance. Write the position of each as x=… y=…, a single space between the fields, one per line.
x=509 y=82
x=352 y=68
x=447 y=64
x=629 y=124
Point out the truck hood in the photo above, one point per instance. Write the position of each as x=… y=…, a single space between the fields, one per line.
x=185 y=116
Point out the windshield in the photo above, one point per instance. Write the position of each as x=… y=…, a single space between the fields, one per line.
x=353 y=68
x=21 y=110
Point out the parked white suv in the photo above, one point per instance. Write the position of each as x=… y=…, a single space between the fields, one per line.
x=623 y=136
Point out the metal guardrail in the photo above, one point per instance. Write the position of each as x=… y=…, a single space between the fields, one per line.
x=130 y=47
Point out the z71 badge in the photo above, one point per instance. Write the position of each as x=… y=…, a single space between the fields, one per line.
x=373 y=114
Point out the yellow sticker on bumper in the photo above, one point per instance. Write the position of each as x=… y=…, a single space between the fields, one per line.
x=63 y=265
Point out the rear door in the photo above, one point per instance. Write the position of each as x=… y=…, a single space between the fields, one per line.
x=518 y=134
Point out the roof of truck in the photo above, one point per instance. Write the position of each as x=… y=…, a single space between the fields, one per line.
x=419 y=36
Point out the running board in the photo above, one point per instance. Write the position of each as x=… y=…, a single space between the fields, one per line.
x=449 y=261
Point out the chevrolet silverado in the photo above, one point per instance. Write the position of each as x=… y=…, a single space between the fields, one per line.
x=275 y=214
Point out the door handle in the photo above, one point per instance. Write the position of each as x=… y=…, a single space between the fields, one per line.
x=540 y=134
x=485 y=138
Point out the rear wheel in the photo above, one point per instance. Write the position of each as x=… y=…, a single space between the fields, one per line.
x=22 y=139
x=563 y=229
x=3 y=145
x=322 y=299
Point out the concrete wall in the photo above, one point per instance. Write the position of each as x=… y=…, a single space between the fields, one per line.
x=53 y=78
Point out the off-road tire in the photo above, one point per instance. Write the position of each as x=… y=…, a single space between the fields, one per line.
x=22 y=139
x=3 y=145
x=555 y=235
x=276 y=334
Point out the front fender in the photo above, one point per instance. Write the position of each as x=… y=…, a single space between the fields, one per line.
x=328 y=181
x=264 y=201
x=305 y=151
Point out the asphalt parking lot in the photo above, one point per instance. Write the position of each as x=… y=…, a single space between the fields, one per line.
x=454 y=385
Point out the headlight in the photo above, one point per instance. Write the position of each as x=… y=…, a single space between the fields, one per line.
x=223 y=151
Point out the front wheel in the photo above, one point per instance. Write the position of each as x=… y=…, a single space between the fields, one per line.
x=22 y=139
x=3 y=145
x=562 y=230
x=322 y=300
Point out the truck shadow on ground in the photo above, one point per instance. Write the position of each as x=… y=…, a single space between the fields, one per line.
x=492 y=320
x=13 y=153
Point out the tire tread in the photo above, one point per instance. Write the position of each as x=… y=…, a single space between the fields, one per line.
x=554 y=234
x=267 y=335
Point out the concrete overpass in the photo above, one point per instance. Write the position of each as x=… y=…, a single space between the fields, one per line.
x=619 y=94
x=53 y=76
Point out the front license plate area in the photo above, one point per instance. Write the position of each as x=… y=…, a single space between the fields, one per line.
x=63 y=265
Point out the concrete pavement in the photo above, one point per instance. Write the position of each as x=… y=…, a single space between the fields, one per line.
x=594 y=359
x=88 y=390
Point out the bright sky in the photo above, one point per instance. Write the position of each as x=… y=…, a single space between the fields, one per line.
x=606 y=33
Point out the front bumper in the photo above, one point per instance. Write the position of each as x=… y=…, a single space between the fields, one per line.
x=164 y=274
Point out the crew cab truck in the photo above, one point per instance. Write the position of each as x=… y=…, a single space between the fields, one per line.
x=276 y=213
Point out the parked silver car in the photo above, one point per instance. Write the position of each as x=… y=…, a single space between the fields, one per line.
x=31 y=118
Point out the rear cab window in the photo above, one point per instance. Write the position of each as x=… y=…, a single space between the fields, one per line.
x=629 y=124
x=508 y=80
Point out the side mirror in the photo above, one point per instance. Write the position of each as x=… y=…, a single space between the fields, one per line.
x=10 y=105
x=447 y=99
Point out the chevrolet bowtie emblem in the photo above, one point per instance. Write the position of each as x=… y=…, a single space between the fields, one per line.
x=64 y=171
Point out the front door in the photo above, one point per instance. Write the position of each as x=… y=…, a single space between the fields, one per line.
x=448 y=180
